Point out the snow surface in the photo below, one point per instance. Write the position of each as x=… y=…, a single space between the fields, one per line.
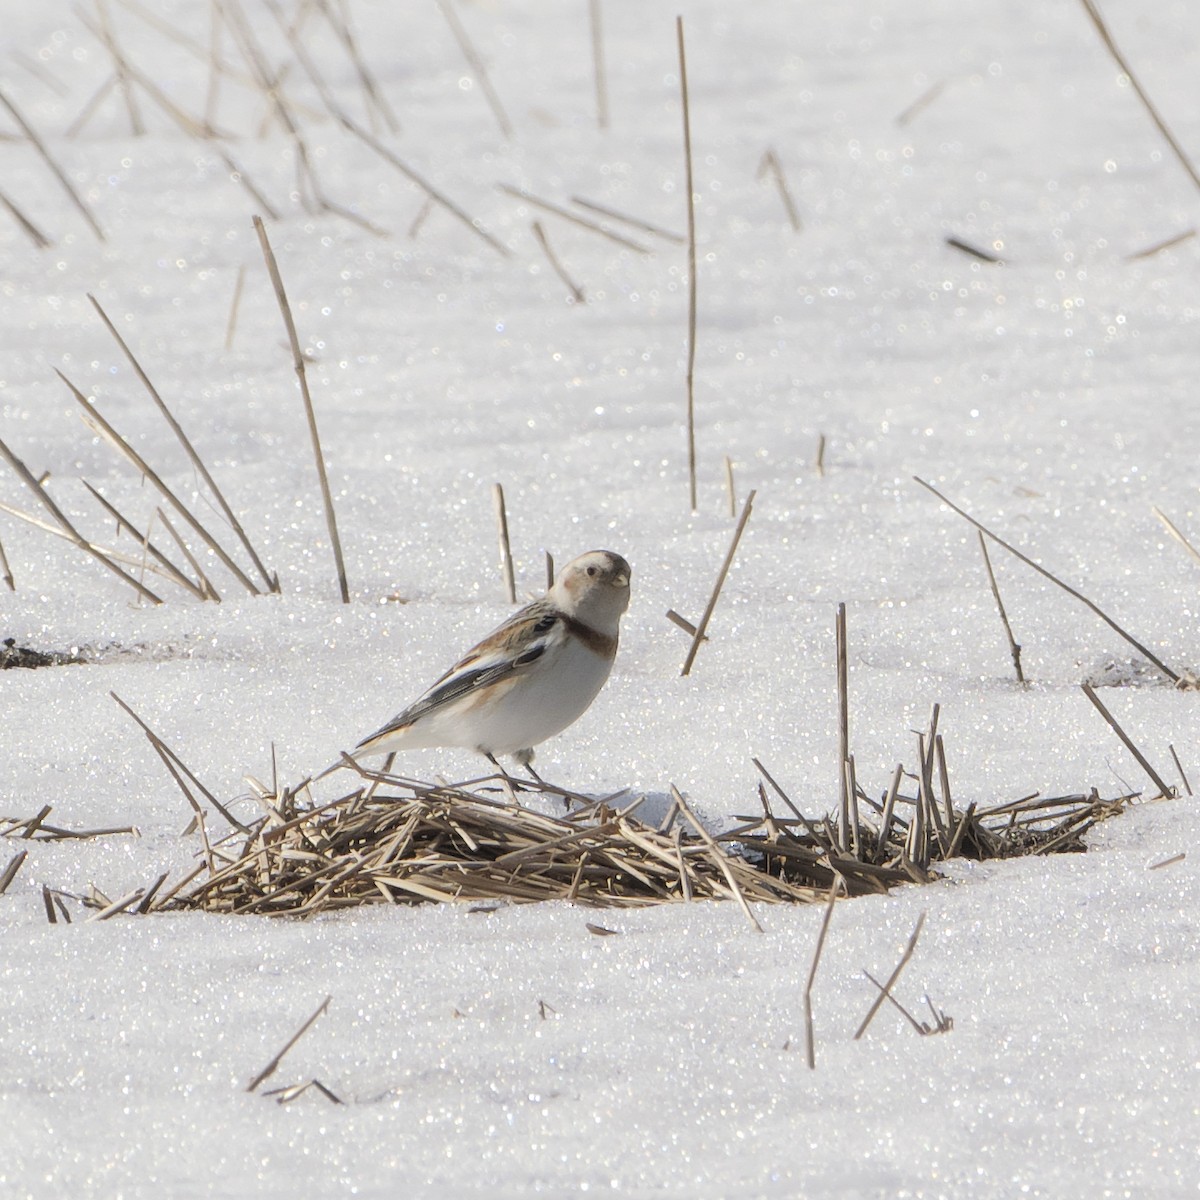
x=1053 y=395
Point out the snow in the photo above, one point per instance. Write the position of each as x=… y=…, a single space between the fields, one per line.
x=517 y=1054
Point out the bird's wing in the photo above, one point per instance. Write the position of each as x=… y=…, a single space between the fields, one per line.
x=508 y=650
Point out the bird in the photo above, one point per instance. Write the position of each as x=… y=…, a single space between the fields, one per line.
x=529 y=679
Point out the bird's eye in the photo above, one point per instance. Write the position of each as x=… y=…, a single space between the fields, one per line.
x=592 y=570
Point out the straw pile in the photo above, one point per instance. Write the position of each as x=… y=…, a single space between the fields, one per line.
x=401 y=842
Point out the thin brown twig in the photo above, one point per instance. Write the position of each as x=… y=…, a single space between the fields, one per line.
x=1119 y=58
x=1014 y=648
x=636 y=222
x=886 y=989
x=1126 y=740
x=477 y=65
x=298 y=363
x=1152 y=657
x=574 y=218
x=39 y=239
x=26 y=476
x=114 y=439
x=691 y=235
x=188 y=448
x=553 y=259
x=55 y=169
x=273 y=1065
x=809 y=1039
x=770 y=165
x=702 y=627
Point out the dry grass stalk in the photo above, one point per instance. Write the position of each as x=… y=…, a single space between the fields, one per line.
x=1174 y=531
x=1158 y=247
x=93 y=418
x=207 y=591
x=6 y=571
x=1187 y=787
x=843 y=701
x=298 y=363
x=809 y=1039
x=104 y=32
x=702 y=628
x=273 y=1065
x=506 y=559
x=55 y=169
x=238 y=175
x=168 y=569
x=116 y=556
x=1014 y=648
x=634 y=222
x=819 y=463
x=39 y=239
x=1098 y=21
x=477 y=65
x=683 y=623
x=559 y=270
x=599 y=74
x=39 y=72
x=89 y=110
x=1173 y=676
x=9 y=873
x=574 y=218
x=729 y=486
x=180 y=771
x=886 y=988
x=377 y=102
x=234 y=306
x=771 y=166
x=1127 y=741
x=271 y=582
x=549 y=570
x=973 y=251
x=691 y=236
x=922 y=102
x=1158 y=866
x=69 y=530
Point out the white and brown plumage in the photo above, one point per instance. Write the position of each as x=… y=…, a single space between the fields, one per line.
x=528 y=679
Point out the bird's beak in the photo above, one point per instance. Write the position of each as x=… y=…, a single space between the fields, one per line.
x=621 y=580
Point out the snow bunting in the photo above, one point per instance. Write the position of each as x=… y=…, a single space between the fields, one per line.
x=528 y=679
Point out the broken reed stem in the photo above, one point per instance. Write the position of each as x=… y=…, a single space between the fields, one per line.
x=718 y=855
x=114 y=439
x=843 y=700
x=691 y=234
x=1106 y=37
x=983 y=255
x=770 y=165
x=6 y=571
x=234 y=305
x=549 y=570
x=1155 y=778
x=702 y=627
x=39 y=239
x=476 y=64
x=298 y=363
x=238 y=175
x=207 y=591
x=809 y=1041
x=506 y=559
x=190 y=450
x=55 y=169
x=10 y=871
x=559 y=270
x=123 y=522
x=1158 y=247
x=729 y=486
x=1173 y=676
x=273 y=1065
x=1187 y=787
x=636 y=222
x=1014 y=648
x=599 y=74
x=574 y=218
x=820 y=459
x=1174 y=531
x=886 y=989
x=73 y=534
